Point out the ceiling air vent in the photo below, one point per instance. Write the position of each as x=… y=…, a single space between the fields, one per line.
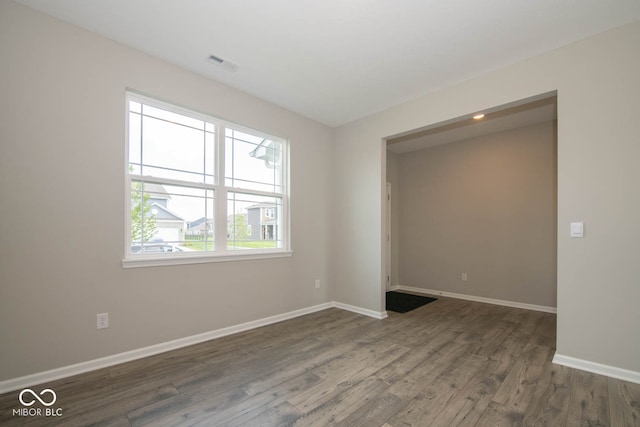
x=224 y=63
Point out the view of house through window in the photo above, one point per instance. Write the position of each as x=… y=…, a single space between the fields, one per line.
x=198 y=184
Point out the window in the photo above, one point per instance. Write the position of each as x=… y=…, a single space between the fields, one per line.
x=201 y=188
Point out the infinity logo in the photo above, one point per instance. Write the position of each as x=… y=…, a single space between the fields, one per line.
x=36 y=397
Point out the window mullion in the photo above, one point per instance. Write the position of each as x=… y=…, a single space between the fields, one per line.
x=169 y=181
x=141 y=172
x=221 y=193
x=204 y=179
x=257 y=192
x=286 y=207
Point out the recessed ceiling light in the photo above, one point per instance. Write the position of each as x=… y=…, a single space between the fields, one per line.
x=224 y=63
x=478 y=116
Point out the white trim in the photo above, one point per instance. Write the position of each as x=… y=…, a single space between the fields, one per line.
x=506 y=303
x=247 y=192
x=104 y=362
x=201 y=259
x=149 y=179
x=364 y=311
x=597 y=368
x=388 y=262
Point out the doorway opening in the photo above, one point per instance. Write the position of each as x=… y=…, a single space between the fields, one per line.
x=474 y=206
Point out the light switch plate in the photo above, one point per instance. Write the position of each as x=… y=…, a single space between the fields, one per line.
x=577 y=229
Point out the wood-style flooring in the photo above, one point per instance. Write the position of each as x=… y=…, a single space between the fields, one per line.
x=449 y=363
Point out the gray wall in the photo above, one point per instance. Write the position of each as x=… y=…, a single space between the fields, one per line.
x=486 y=207
x=597 y=85
x=62 y=129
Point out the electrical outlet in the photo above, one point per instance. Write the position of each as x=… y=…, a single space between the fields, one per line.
x=463 y=277
x=317 y=283
x=102 y=320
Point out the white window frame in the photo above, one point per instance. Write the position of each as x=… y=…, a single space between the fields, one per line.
x=220 y=190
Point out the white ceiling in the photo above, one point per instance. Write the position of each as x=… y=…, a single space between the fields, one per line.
x=338 y=60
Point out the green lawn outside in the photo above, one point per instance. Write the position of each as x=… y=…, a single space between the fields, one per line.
x=255 y=244
x=252 y=244
x=198 y=246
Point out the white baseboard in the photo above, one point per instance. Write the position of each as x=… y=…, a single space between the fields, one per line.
x=104 y=362
x=375 y=314
x=597 y=368
x=477 y=299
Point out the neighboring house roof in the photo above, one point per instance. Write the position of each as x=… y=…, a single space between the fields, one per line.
x=156 y=191
x=262 y=205
x=164 y=213
x=198 y=222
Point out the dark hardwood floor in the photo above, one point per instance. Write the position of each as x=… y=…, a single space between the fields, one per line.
x=448 y=363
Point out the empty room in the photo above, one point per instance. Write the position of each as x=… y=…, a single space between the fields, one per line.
x=285 y=213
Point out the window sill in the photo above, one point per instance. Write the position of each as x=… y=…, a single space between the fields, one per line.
x=160 y=261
